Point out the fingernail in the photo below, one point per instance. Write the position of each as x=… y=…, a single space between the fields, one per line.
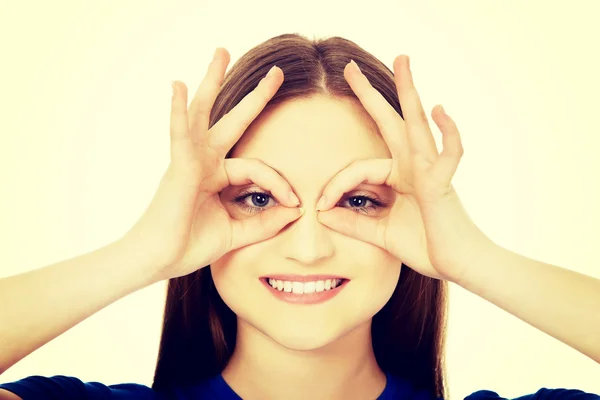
x=271 y=71
x=355 y=64
x=442 y=110
x=301 y=210
x=173 y=88
x=293 y=198
x=215 y=54
x=408 y=61
x=321 y=203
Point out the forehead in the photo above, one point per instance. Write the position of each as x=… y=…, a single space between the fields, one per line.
x=312 y=138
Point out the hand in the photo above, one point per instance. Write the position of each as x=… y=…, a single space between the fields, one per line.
x=427 y=228
x=186 y=226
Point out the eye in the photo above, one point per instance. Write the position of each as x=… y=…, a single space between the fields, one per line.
x=261 y=199
x=358 y=203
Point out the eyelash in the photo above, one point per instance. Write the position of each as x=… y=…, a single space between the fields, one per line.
x=240 y=201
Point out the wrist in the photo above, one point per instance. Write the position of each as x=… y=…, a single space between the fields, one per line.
x=144 y=267
x=476 y=258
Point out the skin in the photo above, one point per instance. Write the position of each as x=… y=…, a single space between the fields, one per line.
x=325 y=346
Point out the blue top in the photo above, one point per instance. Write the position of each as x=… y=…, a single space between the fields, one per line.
x=70 y=388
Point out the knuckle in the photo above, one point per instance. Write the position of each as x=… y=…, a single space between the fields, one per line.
x=254 y=169
x=237 y=117
x=203 y=110
x=355 y=165
x=245 y=121
x=200 y=108
x=422 y=115
x=252 y=164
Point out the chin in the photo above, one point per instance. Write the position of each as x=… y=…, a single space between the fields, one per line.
x=305 y=335
x=305 y=338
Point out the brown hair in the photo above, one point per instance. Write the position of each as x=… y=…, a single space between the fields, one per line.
x=199 y=329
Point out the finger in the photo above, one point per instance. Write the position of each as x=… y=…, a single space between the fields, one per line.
x=417 y=126
x=388 y=121
x=263 y=226
x=227 y=131
x=241 y=171
x=445 y=167
x=204 y=99
x=355 y=225
x=179 y=116
x=371 y=171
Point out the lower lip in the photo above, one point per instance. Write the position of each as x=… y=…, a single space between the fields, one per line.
x=306 y=298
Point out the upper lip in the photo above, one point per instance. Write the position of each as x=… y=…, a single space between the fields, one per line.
x=302 y=278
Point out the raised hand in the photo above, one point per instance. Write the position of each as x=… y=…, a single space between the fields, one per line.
x=427 y=227
x=186 y=227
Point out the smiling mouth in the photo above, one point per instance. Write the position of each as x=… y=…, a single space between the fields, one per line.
x=305 y=288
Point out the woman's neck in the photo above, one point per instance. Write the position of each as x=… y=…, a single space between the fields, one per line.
x=344 y=369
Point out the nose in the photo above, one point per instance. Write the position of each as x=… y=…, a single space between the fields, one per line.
x=306 y=239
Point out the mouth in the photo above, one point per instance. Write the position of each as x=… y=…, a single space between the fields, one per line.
x=306 y=292
x=303 y=285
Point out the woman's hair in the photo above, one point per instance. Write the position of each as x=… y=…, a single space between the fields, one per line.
x=199 y=329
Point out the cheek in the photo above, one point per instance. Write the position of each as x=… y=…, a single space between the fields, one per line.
x=228 y=275
x=372 y=290
x=235 y=276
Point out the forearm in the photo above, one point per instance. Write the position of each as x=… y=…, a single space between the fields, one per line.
x=563 y=303
x=39 y=305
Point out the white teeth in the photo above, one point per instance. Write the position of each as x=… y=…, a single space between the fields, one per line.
x=320 y=286
x=297 y=287
x=304 y=287
x=310 y=287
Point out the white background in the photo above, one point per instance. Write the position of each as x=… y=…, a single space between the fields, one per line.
x=85 y=91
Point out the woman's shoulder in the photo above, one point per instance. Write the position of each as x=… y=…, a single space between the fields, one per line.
x=542 y=394
x=69 y=387
x=399 y=388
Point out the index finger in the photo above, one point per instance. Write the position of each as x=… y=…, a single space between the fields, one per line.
x=389 y=122
x=229 y=129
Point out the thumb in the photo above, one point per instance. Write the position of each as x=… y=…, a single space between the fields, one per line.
x=354 y=225
x=262 y=226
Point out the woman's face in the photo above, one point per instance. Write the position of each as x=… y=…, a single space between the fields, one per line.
x=308 y=141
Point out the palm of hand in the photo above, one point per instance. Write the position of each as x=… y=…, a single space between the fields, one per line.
x=404 y=229
x=404 y=235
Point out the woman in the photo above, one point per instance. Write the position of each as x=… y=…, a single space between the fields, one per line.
x=339 y=299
